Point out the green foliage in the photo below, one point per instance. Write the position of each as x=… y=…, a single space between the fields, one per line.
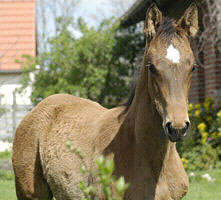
x=112 y=188
x=201 y=149
x=2 y=110
x=6 y=175
x=96 y=66
x=201 y=157
x=5 y=155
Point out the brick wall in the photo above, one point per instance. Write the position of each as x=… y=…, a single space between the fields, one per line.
x=17 y=32
x=197 y=90
x=206 y=82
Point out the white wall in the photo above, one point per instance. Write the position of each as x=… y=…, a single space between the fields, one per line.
x=16 y=106
x=10 y=84
x=7 y=90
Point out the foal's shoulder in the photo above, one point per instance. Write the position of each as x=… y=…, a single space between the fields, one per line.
x=107 y=126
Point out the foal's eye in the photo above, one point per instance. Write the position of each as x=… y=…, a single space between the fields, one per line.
x=152 y=68
x=194 y=67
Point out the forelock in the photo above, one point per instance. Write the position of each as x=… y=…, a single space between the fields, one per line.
x=168 y=30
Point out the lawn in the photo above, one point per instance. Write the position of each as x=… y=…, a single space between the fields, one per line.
x=200 y=189
x=7 y=188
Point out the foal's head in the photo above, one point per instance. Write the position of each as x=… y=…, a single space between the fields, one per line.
x=170 y=64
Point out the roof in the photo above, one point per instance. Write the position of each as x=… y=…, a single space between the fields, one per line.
x=17 y=32
x=137 y=11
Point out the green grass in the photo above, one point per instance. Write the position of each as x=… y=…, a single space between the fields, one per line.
x=200 y=189
x=7 y=187
x=5 y=155
x=6 y=175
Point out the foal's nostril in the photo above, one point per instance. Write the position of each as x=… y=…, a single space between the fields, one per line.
x=187 y=125
x=172 y=130
x=169 y=126
x=176 y=133
x=185 y=129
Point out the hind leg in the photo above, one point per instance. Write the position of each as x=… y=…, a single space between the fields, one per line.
x=26 y=192
x=29 y=181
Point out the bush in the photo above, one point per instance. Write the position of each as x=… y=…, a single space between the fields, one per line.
x=200 y=158
x=112 y=188
x=98 y=65
x=201 y=149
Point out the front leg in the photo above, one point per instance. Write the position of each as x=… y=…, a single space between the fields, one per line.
x=176 y=177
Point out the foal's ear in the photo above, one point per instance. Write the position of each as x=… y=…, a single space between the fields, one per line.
x=189 y=21
x=153 y=20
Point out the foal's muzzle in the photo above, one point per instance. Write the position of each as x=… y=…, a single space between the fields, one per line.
x=176 y=134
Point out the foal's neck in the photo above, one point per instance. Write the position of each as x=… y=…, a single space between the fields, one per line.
x=150 y=139
x=142 y=152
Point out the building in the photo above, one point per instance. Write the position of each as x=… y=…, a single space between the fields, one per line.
x=17 y=38
x=206 y=82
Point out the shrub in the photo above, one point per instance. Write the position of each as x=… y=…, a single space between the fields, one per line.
x=200 y=158
x=98 y=65
x=201 y=149
x=112 y=188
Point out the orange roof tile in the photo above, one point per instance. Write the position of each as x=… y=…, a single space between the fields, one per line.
x=17 y=32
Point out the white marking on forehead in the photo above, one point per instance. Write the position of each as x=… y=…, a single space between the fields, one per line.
x=173 y=54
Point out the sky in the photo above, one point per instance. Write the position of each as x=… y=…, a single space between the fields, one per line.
x=100 y=9
x=92 y=11
x=88 y=9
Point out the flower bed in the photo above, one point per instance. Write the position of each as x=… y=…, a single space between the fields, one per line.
x=201 y=149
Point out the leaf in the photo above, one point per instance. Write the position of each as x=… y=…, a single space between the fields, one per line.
x=121 y=186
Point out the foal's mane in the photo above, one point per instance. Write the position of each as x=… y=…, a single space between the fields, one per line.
x=167 y=31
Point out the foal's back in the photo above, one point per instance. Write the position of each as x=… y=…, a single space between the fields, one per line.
x=42 y=162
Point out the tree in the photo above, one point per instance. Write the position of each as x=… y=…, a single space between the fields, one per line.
x=97 y=66
x=48 y=11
